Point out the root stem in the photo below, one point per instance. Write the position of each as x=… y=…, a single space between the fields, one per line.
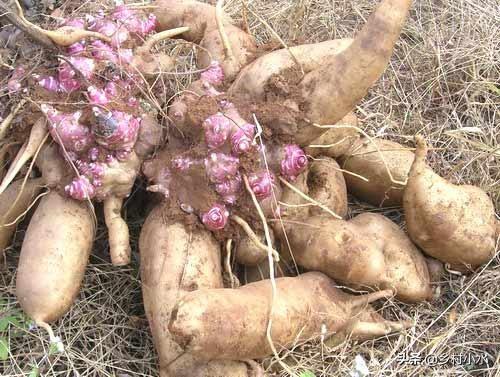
x=308 y=198
x=255 y=239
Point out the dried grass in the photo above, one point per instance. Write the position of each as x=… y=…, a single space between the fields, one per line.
x=443 y=82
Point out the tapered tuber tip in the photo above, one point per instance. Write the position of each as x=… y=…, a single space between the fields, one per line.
x=371 y=297
x=67 y=35
x=402 y=325
x=421 y=150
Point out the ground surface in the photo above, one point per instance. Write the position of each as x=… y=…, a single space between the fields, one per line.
x=443 y=81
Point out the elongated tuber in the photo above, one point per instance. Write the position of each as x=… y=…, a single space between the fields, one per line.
x=231 y=323
x=53 y=257
x=176 y=260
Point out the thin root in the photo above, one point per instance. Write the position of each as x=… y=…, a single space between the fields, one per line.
x=309 y=199
x=227 y=264
x=255 y=239
x=370 y=139
x=118 y=232
x=272 y=279
x=345 y=171
x=328 y=145
x=24 y=212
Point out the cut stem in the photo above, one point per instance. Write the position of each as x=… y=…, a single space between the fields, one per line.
x=37 y=137
x=219 y=16
x=9 y=118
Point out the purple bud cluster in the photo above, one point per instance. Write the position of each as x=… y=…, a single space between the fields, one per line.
x=14 y=84
x=214 y=75
x=93 y=145
x=228 y=137
x=115 y=130
x=67 y=130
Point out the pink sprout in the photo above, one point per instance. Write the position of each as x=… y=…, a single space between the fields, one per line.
x=77 y=23
x=103 y=51
x=94 y=171
x=106 y=27
x=66 y=129
x=217 y=128
x=86 y=66
x=76 y=48
x=92 y=20
x=14 y=83
x=123 y=13
x=120 y=36
x=262 y=183
x=97 y=96
x=229 y=188
x=111 y=89
x=134 y=22
x=110 y=159
x=122 y=155
x=67 y=75
x=294 y=162
x=125 y=55
x=115 y=130
x=93 y=154
x=242 y=138
x=216 y=217
x=133 y=102
x=147 y=26
x=182 y=163
x=80 y=189
x=220 y=167
x=214 y=74
x=49 y=83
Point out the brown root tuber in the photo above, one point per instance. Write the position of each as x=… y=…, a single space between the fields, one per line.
x=454 y=224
